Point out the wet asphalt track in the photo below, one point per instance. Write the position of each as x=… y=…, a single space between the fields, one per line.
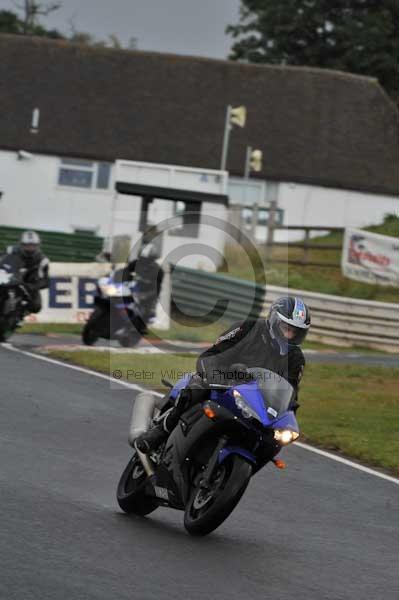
x=319 y=530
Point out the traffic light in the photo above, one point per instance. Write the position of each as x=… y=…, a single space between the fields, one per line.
x=238 y=116
x=255 y=160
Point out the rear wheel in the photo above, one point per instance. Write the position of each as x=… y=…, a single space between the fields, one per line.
x=207 y=508
x=128 y=340
x=131 y=494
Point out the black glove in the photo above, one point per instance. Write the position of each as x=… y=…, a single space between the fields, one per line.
x=196 y=391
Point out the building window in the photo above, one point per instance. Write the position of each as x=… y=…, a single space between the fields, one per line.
x=263 y=216
x=84 y=174
x=103 y=173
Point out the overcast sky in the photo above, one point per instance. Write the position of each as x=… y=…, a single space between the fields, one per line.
x=178 y=26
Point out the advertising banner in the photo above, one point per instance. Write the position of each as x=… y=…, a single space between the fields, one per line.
x=370 y=257
x=69 y=298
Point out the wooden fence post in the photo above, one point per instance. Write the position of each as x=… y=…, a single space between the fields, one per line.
x=306 y=246
x=271 y=223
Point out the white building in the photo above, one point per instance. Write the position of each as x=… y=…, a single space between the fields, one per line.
x=330 y=140
x=73 y=195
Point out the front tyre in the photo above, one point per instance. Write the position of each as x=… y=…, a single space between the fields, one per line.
x=90 y=330
x=5 y=330
x=130 y=493
x=207 y=509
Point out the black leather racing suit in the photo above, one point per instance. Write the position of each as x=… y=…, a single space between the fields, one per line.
x=250 y=343
x=35 y=274
x=150 y=275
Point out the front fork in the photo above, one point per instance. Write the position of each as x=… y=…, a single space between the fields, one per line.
x=214 y=460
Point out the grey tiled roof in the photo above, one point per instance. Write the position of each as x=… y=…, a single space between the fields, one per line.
x=323 y=127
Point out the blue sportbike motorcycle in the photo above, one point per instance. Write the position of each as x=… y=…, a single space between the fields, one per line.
x=205 y=465
x=121 y=311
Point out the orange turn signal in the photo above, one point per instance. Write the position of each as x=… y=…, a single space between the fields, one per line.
x=280 y=464
x=210 y=413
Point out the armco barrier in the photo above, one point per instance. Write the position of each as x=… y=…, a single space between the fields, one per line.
x=347 y=321
x=335 y=319
x=200 y=293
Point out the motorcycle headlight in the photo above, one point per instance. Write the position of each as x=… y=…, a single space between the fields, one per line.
x=109 y=290
x=247 y=411
x=4 y=277
x=285 y=436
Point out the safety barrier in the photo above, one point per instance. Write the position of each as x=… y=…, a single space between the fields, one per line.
x=199 y=294
x=337 y=320
x=347 y=321
x=203 y=294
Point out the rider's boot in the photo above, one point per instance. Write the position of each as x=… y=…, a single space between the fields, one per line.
x=151 y=440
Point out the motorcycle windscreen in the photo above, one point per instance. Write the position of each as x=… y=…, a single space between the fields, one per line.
x=277 y=392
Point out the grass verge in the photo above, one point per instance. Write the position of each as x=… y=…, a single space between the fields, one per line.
x=193 y=332
x=52 y=328
x=188 y=332
x=350 y=409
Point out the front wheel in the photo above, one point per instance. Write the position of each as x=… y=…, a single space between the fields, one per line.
x=92 y=326
x=6 y=329
x=208 y=508
x=131 y=494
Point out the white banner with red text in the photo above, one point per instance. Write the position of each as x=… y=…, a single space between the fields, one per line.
x=370 y=257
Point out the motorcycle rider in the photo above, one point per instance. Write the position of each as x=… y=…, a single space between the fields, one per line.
x=272 y=344
x=146 y=270
x=34 y=266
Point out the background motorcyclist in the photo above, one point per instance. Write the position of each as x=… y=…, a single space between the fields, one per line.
x=272 y=344
x=34 y=266
x=149 y=275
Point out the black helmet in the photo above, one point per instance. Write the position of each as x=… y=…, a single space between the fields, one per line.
x=30 y=243
x=288 y=322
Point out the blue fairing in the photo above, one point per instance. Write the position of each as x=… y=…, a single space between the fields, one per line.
x=254 y=397
x=287 y=421
x=182 y=383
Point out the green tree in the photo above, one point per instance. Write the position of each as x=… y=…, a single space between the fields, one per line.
x=360 y=36
x=32 y=10
x=29 y=24
x=10 y=22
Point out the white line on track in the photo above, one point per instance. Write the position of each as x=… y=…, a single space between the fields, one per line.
x=139 y=388
x=131 y=386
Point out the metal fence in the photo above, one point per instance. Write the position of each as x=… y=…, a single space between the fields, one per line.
x=335 y=319
x=348 y=321
x=306 y=245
